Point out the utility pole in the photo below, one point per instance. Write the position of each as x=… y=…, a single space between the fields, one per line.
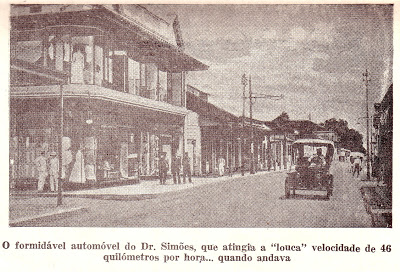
x=252 y=128
x=252 y=99
x=232 y=149
x=244 y=83
x=59 y=190
x=367 y=79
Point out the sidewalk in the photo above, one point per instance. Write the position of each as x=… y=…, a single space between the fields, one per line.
x=31 y=206
x=30 y=209
x=377 y=202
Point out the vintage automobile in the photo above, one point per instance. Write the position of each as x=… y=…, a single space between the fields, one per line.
x=313 y=158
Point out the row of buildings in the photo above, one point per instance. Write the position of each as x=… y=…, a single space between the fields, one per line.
x=105 y=87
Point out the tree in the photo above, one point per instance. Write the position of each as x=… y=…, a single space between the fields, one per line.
x=349 y=138
x=284 y=117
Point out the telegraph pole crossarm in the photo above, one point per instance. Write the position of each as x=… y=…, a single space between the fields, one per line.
x=267 y=96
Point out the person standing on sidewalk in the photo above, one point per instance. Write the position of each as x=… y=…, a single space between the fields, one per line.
x=41 y=167
x=176 y=169
x=221 y=166
x=357 y=166
x=53 y=171
x=186 y=168
x=163 y=169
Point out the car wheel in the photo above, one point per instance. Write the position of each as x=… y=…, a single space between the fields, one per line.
x=328 y=192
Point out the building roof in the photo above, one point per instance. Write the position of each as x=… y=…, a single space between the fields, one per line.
x=150 y=38
x=192 y=89
x=206 y=109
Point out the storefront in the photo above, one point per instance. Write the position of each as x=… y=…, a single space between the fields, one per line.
x=104 y=140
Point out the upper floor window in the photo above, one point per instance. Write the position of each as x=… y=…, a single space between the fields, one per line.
x=97 y=59
x=29 y=51
x=162 y=86
x=133 y=76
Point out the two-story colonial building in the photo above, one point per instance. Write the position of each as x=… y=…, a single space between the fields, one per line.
x=108 y=81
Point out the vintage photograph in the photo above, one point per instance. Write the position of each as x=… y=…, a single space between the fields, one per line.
x=201 y=116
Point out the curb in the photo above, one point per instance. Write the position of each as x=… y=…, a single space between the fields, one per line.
x=126 y=197
x=136 y=196
x=46 y=216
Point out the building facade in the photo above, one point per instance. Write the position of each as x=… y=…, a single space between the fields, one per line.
x=383 y=125
x=225 y=139
x=107 y=82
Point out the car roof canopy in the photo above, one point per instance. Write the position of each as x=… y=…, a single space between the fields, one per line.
x=357 y=154
x=316 y=142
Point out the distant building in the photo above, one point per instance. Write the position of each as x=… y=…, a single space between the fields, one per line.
x=223 y=139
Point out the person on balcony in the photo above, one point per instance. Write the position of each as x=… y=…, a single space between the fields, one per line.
x=78 y=64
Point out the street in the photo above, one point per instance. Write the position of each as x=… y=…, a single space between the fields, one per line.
x=249 y=201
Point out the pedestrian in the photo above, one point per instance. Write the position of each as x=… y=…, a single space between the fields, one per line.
x=41 y=167
x=221 y=166
x=176 y=169
x=357 y=166
x=53 y=171
x=186 y=168
x=163 y=169
x=352 y=164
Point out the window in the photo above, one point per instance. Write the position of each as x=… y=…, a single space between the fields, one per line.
x=133 y=76
x=29 y=51
x=162 y=86
x=151 y=80
x=98 y=70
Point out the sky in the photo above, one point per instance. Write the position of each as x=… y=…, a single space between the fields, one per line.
x=313 y=55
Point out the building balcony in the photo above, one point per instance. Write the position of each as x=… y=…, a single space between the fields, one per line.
x=96 y=93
